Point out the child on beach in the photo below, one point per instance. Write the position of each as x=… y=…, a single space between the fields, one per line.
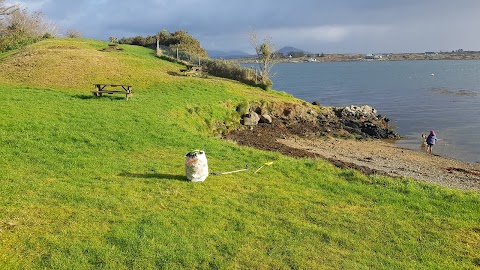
x=431 y=139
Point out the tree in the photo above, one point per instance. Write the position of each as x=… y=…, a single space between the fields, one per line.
x=6 y=10
x=19 y=28
x=32 y=25
x=265 y=55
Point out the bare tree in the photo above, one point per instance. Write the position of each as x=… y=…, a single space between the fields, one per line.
x=6 y=10
x=33 y=25
x=72 y=33
x=113 y=39
x=16 y=20
x=265 y=54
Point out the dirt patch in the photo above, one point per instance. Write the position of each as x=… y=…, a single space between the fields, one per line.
x=264 y=136
x=112 y=48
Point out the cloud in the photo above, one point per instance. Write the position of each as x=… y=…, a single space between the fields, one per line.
x=327 y=33
x=317 y=26
x=32 y=5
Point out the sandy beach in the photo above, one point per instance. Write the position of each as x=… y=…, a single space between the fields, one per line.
x=369 y=156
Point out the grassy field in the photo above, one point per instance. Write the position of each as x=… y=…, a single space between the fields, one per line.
x=98 y=183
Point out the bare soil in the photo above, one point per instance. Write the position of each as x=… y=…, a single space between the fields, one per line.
x=370 y=156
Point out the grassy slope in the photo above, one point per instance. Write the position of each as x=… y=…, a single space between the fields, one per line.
x=98 y=183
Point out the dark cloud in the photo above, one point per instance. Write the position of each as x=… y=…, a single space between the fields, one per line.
x=313 y=25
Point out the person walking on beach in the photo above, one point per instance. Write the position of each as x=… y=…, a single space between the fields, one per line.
x=431 y=139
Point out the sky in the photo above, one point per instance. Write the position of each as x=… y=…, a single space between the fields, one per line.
x=317 y=26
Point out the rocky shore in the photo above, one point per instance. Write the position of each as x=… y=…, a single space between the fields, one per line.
x=348 y=137
x=349 y=122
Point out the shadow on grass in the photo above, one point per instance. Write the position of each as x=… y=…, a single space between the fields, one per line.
x=172 y=73
x=155 y=176
x=85 y=97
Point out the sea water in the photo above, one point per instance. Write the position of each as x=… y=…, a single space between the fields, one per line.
x=417 y=96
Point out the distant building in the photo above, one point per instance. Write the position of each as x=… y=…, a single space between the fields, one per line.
x=431 y=53
x=373 y=56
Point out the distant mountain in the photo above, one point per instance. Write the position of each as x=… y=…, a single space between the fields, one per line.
x=228 y=55
x=288 y=49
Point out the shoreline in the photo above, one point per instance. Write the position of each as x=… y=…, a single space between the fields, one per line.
x=338 y=57
x=394 y=161
x=370 y=156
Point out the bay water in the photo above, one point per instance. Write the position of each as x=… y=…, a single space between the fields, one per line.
x=417 y=96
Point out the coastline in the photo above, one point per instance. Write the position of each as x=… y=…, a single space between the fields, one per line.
x=370 y=156
x=339 y=57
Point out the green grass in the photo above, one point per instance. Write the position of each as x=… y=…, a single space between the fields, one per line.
x=98 y=183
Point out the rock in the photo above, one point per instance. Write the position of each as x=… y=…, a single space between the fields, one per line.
x=363 y=121
x=373 y=130
x=351 y=121
x=250 y=119
x=265 y=118
x=356 y=111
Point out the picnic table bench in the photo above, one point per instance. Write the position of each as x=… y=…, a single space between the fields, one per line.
x=101 y=89
x=192 y=70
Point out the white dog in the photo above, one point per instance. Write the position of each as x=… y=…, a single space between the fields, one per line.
x=424 y=141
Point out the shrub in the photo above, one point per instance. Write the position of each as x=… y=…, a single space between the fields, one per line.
x=19 y=28
x=71 y=33
x=231 y=70
x=243 y=107
x=15 y=41
x=113 y=39
x=48 y=36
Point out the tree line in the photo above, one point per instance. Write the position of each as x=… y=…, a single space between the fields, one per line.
x=178 y=40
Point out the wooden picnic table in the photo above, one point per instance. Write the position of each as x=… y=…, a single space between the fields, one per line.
x=101 y=88
x=192 y=70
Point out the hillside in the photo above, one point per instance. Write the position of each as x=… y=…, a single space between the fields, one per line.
x=99 y=183
x=288 y=49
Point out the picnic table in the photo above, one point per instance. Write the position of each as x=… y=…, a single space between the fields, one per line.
x=101 y=89
x=192 y=70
